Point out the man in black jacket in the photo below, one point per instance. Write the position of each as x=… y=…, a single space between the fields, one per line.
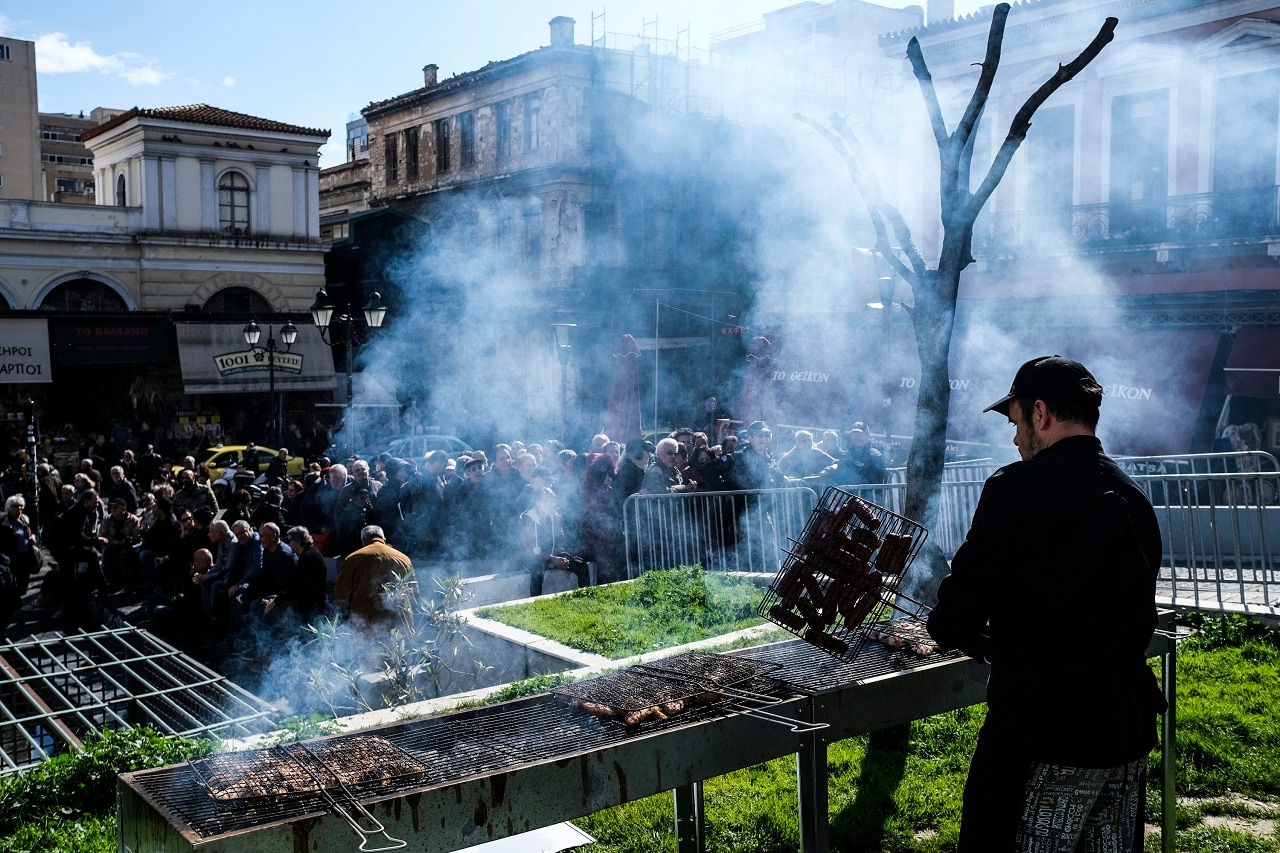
x=1055 y=587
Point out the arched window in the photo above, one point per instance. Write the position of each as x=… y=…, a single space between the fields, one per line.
x=233 y=205
x=238 y=300
x=83 y=294
x=122 y=199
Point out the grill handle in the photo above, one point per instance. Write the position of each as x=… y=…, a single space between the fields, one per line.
x=367 y=835
x=742 y=697
x=797 y=726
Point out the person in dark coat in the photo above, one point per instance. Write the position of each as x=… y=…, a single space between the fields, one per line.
x=1062 y=538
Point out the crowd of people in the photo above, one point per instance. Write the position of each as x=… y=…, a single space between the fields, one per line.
x=153 y=528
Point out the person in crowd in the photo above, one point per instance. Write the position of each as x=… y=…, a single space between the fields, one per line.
x=394 y=507
x=613 y=449
x=271 y=574
x=119 y=559
x=704 y=470
x=129 y=465
x=504 y=500
x=430 y=494
x=729 y=445
x=598 y=441
x=158 y=540
x=146 y=511
x=192 y=495
x=600 y=523
x=83 y=549
x=270 y=509
x=21 y=547
x=539 y=454
x=542 y=545
x=291 y=500
x=804 y=461
x=361 y=591
x=862 y=461
x=664 y=474
x=1062 y=535
x=631 y=470
x=278 y=467
x=245 y=561
x=353 y=509
x=120 y=487
x=95 y=476
x=320 y=505
x=172 y=571
x=50 y=493
x=301 y=596
x=180 y=617
x=150 y=467
x=222 y=544
x=466 y=507
x=238 y=507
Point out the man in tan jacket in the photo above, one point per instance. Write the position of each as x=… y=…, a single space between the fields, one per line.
x=361 y=588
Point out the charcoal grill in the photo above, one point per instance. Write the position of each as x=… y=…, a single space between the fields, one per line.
x=843 y=573
x=659 y=689
x=331 y=771
x=498 y=771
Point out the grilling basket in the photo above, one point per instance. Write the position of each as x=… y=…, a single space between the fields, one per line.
x=841 y=577
x=663 y=688
x=337 y=771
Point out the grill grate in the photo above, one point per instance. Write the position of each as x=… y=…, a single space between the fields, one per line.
x=673 y=679
x=812 y=671
x=843 y=573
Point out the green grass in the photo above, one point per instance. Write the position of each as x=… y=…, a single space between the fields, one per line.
x=656 y=611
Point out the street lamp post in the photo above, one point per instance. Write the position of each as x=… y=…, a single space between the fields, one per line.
x=375 y=311
x=562 y=331
x=288 y=334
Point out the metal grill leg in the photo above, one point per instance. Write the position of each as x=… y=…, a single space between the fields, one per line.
x=811 y=774
x=1168 y=750
x=691 y=824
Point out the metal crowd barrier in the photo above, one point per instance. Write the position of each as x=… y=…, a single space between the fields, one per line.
x=722 y=531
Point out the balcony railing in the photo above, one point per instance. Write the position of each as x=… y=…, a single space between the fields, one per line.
x=1228 y=215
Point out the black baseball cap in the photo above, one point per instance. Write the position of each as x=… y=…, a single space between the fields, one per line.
x=1053 y=378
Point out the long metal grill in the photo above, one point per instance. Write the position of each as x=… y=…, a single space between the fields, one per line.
x=672 y=679
x=450 y=748
x=813 y=672
x=843 y=572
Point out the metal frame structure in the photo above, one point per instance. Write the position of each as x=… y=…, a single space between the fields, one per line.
x=57 y=690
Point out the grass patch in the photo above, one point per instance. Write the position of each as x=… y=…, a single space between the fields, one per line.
x=658 y=610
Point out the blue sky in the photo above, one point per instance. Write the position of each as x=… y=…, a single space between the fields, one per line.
x=315 y=63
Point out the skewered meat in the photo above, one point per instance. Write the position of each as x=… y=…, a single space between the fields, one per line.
x=863 y=511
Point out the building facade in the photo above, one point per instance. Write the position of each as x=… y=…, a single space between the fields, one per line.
x=1138 y=224
x=19 y=146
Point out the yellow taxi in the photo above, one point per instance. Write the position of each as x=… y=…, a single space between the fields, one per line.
x=218 y=458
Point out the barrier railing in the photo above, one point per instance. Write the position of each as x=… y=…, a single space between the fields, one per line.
x=1220 y=531
x=729 y=531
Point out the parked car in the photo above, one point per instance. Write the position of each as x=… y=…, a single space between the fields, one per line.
x=218 y=458
x=417 y=446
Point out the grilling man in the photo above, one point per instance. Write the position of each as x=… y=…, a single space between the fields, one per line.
x=1055 y=587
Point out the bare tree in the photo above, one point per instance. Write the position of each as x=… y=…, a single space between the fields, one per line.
x=935 y=289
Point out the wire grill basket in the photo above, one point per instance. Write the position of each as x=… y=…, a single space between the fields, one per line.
x=842 y=575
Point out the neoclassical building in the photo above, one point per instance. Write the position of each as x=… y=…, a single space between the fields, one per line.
x=204 y=218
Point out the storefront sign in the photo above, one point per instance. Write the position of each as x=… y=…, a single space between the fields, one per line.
x=231 y=363
x=134 y=341
x=24 y=352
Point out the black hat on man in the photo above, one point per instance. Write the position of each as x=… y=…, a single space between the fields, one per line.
x=759 y=428
x=1054 y=379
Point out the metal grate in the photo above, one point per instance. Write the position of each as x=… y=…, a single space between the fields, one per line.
x=843 y=573
x=812 y=671
x=56 y=691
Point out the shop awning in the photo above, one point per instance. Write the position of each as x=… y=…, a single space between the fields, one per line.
x=216 y=360
x=1253 y=368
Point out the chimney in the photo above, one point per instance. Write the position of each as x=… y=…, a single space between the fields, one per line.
x=429 y=75
x=561 y=31
x=941 y=10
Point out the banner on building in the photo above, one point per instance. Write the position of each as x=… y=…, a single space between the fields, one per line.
x=216 y=360
x=25 y=357
x=130 y=341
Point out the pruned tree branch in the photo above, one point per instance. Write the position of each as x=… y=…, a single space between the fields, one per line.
x=1022 y=121
x=931 y=104
x=981 y=91
x=868 y=188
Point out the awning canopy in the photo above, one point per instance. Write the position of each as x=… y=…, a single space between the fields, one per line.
x=216 y=360
x=1253 y=368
